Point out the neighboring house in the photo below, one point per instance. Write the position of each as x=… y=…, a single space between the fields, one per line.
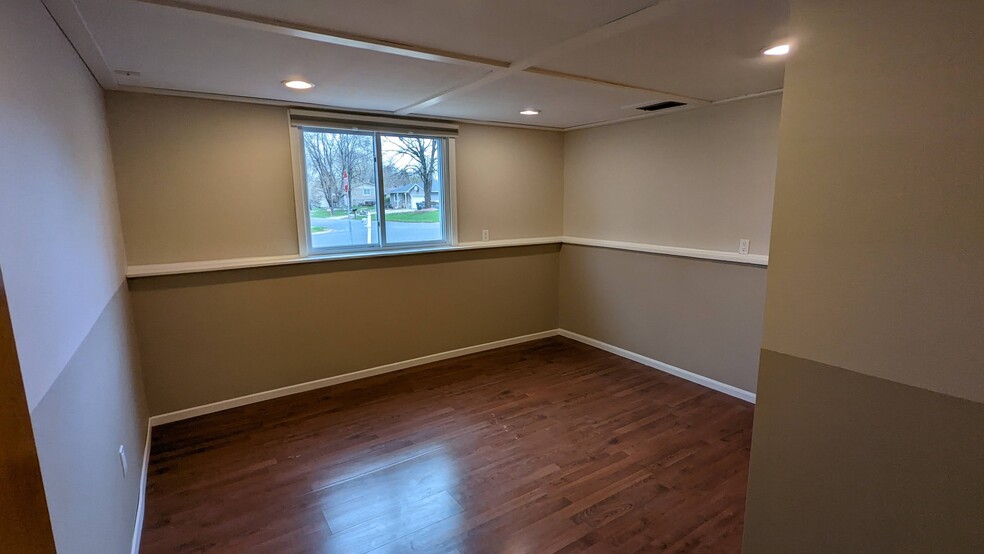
x=411 y=197
x=362 y=195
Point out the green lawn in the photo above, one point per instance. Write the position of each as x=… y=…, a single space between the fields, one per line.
x=423 y=216
x=321 y=212
x=317 y=229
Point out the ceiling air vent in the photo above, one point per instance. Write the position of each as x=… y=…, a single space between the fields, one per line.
x=661 y=106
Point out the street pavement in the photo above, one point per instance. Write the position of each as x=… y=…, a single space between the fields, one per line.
x=349 y=232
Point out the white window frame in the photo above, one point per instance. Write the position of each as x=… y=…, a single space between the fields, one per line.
x=447 y=196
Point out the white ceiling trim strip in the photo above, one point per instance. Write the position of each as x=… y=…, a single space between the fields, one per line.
x=317 y=34
x=568 y=46
x=66 y=13
x=316 y=107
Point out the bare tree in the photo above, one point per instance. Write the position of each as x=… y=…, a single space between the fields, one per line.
x=331 y=155
x=422 y=155
x=395 y=176
x=319 y=163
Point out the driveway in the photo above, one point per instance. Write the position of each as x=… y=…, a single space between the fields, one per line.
x=348 y=232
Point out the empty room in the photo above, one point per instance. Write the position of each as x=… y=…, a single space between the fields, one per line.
x=491 y=276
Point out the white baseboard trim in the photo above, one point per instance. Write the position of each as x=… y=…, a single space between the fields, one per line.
x=141 y=499
x=664 y=367
x=338 y=379
x=379 y=370
x=396 y=366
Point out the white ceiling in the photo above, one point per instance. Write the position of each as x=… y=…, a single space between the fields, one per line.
x=709 y=49
x=504 y=30
x=562 y=102
x=578 y=61
x=173 y=49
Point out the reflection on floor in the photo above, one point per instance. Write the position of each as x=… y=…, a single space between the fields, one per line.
x=541 y=447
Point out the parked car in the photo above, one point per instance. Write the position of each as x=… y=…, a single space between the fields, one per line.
x=434 y=204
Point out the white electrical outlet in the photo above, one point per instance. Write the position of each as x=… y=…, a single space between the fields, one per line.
x=485 y=234
x=743 y=246
x=123 y=459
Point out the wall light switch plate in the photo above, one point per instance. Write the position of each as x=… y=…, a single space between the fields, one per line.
x=123 y=459
x=743 y=246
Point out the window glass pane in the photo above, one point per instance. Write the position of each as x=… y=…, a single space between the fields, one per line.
x=413 y=185
x=341 y=181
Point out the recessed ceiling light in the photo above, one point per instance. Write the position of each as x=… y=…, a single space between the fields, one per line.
x=779 y=50
x=298 y=85
x=530 y=112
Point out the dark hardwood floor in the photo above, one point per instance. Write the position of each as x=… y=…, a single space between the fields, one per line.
x=547 y=446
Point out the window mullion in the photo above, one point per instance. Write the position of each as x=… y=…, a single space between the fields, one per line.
x=442 y=173
x=380 y=193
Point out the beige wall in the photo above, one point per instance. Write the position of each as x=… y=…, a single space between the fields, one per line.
x=698 y=179
x=868 y=427
x=201 y=179
x=699 y=315
x=697 y=167
x=210 y=180
x=62 y=255
x=214 y=336
x=879 y=219
x=509 y=181
x=205 y=179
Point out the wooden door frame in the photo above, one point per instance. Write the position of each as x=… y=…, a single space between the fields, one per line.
x=25 y=525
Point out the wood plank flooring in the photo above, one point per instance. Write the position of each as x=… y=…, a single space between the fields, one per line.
x=548 y=446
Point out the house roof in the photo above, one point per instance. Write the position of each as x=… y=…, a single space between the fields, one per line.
x=405 y=188
x=412 y=186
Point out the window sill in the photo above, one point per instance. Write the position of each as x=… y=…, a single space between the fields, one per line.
x=178 y=268
x=761 y=260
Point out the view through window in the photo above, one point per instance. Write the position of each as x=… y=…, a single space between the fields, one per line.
x=370 y=190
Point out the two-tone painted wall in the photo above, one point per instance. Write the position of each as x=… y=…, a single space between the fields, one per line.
x=869 y=428
x=61 y=249
x=211 y=180
x=700 y=179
